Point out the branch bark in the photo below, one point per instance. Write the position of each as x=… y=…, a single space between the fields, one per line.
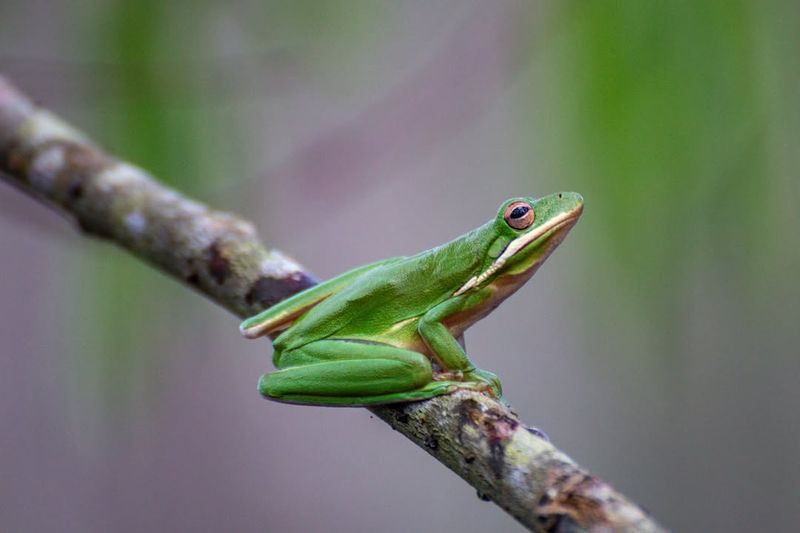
x=219 y=255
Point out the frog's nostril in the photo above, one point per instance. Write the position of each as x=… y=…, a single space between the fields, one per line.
x=560 y=195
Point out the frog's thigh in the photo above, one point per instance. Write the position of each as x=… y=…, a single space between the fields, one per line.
x=344 y=368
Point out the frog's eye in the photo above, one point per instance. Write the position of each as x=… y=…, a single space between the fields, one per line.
x=519 y=215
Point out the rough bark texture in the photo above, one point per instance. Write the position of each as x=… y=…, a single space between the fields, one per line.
x=220 y=255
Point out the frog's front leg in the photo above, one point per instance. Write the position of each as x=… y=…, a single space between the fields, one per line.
x=448 y=349
x=351 y=373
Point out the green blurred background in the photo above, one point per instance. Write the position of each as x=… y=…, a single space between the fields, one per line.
x=659 y=346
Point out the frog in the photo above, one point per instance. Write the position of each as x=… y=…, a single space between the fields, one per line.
x=392 y=331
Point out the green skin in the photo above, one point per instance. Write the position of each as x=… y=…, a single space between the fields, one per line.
x=392 y=331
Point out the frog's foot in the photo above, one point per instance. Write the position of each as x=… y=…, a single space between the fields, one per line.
x=478 y=386
x=456 y=375
x=476 y=379
x=437 y=388
x=487 y=378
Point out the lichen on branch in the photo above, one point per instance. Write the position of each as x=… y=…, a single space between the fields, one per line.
x=220 y=255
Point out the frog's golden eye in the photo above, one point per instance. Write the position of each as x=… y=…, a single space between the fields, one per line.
x=519 y=215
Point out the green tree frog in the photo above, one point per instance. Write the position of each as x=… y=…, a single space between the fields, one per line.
x=392 y=331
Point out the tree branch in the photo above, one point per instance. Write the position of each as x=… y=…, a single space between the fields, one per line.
x=219 y=255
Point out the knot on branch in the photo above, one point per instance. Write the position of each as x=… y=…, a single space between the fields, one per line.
x=490 y=426
x=61 y=170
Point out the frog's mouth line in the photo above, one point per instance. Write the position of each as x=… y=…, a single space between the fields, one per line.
x=548 y=228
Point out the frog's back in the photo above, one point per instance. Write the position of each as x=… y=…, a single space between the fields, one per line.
x=390 y=296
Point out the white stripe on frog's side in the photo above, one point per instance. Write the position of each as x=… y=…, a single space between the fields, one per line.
x=513 y=247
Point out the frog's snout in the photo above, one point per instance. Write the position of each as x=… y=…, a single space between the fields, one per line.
x=572 y=201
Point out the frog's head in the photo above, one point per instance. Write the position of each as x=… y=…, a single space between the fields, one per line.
x=527 y=230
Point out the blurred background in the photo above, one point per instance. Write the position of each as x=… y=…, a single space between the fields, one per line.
x=659 y=346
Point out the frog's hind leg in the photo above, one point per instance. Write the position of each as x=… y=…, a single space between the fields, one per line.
x=339 y=372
